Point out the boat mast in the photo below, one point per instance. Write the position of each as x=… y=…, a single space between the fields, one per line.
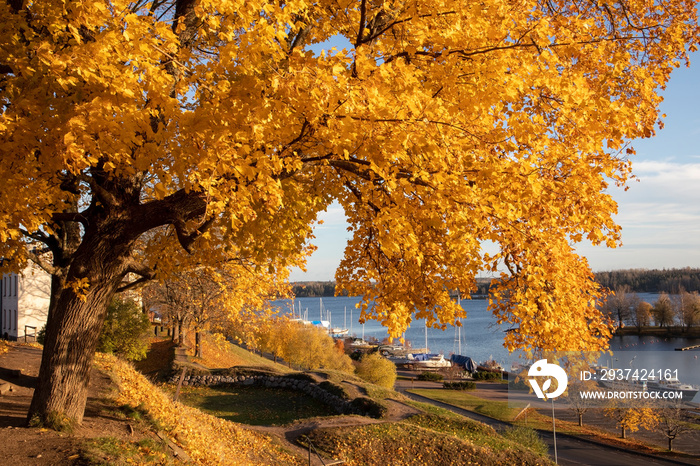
x=459 y=329
x=426 y=336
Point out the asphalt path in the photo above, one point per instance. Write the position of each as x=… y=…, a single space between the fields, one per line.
x=570 y=450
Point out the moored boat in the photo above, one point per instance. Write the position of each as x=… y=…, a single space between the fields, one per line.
x=428 y=361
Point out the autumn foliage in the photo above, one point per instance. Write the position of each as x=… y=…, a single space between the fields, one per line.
x=132 y=130
x=304 y=346
x=377 y=370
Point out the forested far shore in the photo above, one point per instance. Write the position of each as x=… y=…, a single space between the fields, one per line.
x=323 y=289
x=652 y=280
x=636 y=280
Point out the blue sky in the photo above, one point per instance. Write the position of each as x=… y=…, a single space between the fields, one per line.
x=659 y=213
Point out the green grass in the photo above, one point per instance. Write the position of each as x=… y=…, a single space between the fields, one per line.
x=254 y=405
x=495 y=409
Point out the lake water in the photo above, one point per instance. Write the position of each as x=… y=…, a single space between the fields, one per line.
x=482 y=338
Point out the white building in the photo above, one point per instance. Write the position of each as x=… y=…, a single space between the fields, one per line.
x=24 y=300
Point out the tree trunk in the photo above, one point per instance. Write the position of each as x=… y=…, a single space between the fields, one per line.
x=71 y=339
x=180 y=333
x=77 y=313
x=624 y=433
x=580 y=420
x=72 y=333
x=670 y=444
x=197 y=344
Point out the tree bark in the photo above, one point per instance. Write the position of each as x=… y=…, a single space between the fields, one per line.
x=197 y=344
x=77 y=313
x=72 y=333
x=180 y=333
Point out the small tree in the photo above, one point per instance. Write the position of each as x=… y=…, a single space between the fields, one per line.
x=377 y=370
x=580 y=404
x=620 y=304
x=631 y=418
x=301 y=345
x=687 y=307
x=663 y=311
x=642 y=314
x=673 y=421
x=124 y=331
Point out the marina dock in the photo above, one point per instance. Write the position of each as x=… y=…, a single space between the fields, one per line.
x=688 y=348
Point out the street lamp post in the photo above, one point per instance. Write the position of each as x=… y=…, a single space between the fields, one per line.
x=554 y=432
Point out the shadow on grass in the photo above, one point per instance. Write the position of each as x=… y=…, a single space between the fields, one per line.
x=255 y=405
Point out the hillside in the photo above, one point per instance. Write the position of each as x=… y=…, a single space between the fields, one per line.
x=129 y=420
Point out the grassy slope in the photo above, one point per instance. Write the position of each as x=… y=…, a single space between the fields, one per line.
x=207 y=439
x=425 y=439
x=218 y=354
x=436 y=437
x=495 y=409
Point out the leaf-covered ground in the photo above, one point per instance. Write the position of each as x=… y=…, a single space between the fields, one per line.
x=206 y=439
x=407 y=443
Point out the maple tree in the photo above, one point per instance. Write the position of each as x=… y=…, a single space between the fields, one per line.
x=210 y=297
x=131 y=129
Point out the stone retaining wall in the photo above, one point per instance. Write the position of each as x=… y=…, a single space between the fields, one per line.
x=198 y=376
x=286 y=382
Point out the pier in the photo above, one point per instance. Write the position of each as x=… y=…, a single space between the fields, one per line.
x=688 y=348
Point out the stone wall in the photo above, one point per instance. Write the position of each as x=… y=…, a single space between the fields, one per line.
x=198 y=376
x=298 y=382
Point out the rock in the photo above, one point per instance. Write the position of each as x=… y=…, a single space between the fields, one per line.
x=5 y=388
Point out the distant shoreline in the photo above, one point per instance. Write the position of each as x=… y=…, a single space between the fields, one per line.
x=673 y=331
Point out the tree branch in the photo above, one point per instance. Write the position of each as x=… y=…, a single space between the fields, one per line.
x=133 y=285
x=69 y=217
x=38 y=260
x=186 y=239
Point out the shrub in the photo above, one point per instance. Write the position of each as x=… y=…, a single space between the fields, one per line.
x=377 y=370
x=41 y=336
x=466 y=385
x=430 y=377
x=483 y=375
x=124 y=331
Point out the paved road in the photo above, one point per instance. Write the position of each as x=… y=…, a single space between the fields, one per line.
x=570 y=450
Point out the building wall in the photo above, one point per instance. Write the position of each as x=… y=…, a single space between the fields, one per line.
x=25 y=302
x=9 y=305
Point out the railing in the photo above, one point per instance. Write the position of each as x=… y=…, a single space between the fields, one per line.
x=311 y=447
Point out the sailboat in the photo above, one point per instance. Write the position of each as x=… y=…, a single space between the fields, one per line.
x=335 y=332
x=457 y=358
x=426 y=361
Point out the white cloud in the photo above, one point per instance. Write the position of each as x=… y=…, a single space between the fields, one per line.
x=660 y=219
